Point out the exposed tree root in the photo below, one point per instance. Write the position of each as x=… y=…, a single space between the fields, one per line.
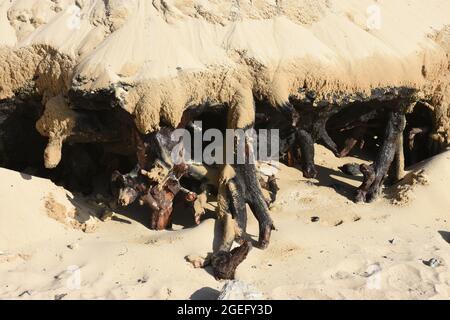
x=375 y=124
x=225 y=263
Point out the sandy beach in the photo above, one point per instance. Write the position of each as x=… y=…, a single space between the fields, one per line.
x=368 y=251
x=89 y=90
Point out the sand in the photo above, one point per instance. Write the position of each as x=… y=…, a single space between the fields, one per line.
x=159 y=57
x=354 y=251
x=155 y=58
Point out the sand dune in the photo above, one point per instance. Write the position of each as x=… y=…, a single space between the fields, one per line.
x=154 y=59
x=353 y=251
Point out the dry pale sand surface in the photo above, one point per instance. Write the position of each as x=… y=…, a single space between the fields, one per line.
x=79 y=76
x=354 y=251
x=157 y=57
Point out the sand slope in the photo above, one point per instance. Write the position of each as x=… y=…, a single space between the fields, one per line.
x=354 y=251
x=157 y=58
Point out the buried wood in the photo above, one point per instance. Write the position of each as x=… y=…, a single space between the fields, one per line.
x=127 y=188
x=160 y=201
x=225 y=263
x=374 y=177
x=363 y=122
x=310 y=129
x=157 y=195
x=159 y=198
x=238 y=186
x=155 y=88
x=273 y=188
x=159 y=183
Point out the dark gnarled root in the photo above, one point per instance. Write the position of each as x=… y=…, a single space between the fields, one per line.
x=243 y=188
x=246 y=177
x=307 y=149
x=369 y=178
x=374 y=177
x=264 y=235
x=273 y=188
x=160 y=203
x=327 y=140
x=225 y=263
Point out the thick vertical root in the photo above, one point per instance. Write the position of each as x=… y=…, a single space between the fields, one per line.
x=238 y=186
x=307 y=149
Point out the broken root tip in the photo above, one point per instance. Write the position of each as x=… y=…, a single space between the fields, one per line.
x=225 y=263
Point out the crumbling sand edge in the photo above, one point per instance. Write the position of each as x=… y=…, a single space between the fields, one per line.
x=235 y=77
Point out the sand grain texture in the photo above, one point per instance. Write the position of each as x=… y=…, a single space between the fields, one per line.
x=376 y=251
x=156 y=58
